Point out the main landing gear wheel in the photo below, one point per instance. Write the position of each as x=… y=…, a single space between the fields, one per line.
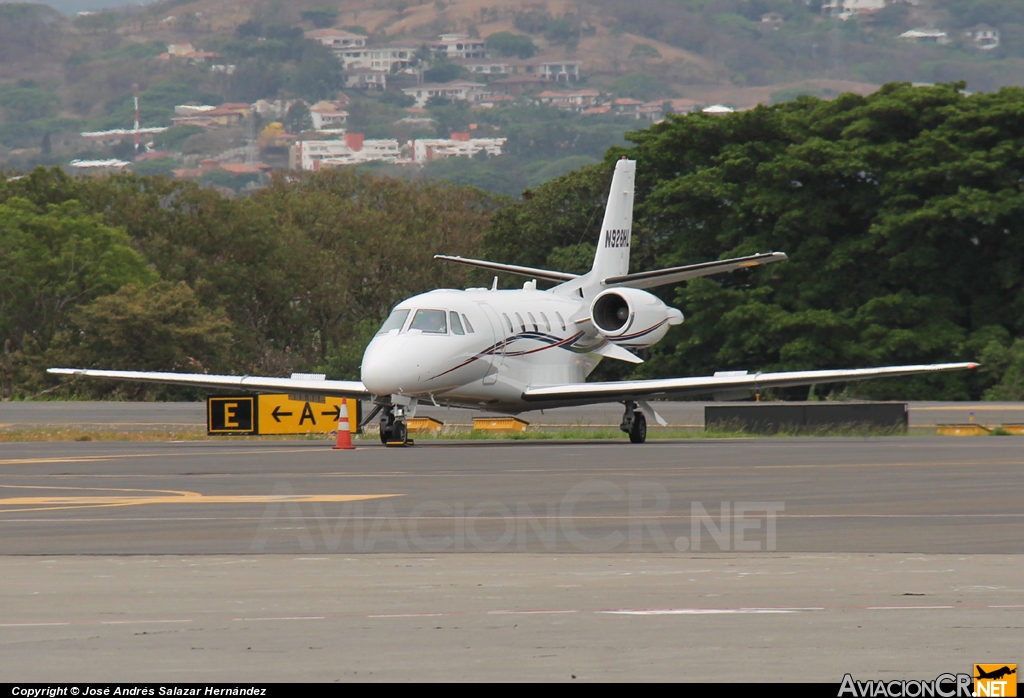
x=400 y=434
x=634 y=423
x=638 y=432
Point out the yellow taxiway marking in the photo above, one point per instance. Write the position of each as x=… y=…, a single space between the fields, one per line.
x=133 y=497
x=119 y=456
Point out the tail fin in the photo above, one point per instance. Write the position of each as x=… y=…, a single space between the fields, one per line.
x=612 y=258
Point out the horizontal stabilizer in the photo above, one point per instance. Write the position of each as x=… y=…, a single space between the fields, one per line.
x=663 y=277
x=509 y=268
x=614 y=351
x=588 y=393
x=252 y=384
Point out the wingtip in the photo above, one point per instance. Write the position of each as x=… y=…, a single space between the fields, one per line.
x=973 y=365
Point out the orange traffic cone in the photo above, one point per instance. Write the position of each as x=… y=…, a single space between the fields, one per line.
x=344 y=435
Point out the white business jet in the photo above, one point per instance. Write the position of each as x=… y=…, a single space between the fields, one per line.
x=524 y=349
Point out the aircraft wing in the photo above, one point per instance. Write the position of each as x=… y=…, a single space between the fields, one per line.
x=587 y=393
x=663 y=277
x=509 y=268
x=254 y=384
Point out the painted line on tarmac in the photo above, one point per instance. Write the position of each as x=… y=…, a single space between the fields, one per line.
x=993 y=408
x=68 y=425
x=930 y=608
x=927 y=464
x=704 y=611
x=148 y=497
x=633 y=612
x=122 y=456
x=574 y=517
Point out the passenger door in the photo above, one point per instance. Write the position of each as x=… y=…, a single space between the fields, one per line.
x=496 y=358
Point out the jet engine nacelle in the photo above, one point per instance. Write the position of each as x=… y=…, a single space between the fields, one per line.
x=631 y=317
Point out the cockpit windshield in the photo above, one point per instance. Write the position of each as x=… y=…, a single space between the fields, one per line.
x=395 y=321
x=430 y=321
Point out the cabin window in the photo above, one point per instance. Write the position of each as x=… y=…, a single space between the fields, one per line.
x=395 y=321
x=522 y=325
x=430 y=322
x=456 y=323
x=468 y=324
x=508 y=322
x=533 y=321
x=560 y=320
x=544 y=319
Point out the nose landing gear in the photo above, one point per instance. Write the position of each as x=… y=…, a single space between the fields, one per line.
x=393 y=428
x=634 y=423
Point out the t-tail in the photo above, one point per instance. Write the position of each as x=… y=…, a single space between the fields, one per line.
x=611 y=263
x=612 y=258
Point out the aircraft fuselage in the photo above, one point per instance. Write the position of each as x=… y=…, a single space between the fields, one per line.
x=501 y=342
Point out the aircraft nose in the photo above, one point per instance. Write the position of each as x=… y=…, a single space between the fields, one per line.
x=387 y=369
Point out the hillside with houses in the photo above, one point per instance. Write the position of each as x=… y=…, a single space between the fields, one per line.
x=500 y=95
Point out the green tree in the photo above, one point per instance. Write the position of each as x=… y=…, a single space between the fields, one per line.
x=644 y=51
x=640 y=86
x=566 y=211
x=509 y=44
x=156 y=166
x=25 y=103
x=223 y=178
x=1005 y=364
x=317 y=74
x=443 y=70
x=162 y=327
x=321 y=17
x=54 y=258
x=174 y=137
x=298 y=119
x=397 y=98
x=363 y=243
x=901 y=214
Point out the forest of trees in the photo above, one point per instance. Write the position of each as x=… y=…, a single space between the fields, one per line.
x=902 y=214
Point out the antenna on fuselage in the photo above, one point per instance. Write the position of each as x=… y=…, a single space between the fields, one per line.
x=494 y=286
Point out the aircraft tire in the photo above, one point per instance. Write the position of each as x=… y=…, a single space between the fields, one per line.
x=400 y=432
x=638 y=433
x=385 y=434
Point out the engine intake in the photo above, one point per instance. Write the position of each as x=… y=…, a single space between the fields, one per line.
x=631 y=317
x=611 y=314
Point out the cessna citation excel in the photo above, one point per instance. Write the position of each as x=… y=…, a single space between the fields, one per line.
x=515 y=350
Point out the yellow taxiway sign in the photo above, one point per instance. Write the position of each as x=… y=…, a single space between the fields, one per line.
x=277 y=414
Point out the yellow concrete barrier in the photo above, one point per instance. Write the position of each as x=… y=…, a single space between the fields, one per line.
x=424 y=424
x=962 y=430
x=500 y=424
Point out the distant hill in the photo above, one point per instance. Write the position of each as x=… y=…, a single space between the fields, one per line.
x=62 y=75
x=73 y=7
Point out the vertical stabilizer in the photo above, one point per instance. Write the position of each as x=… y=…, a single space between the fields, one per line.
x=612 y=258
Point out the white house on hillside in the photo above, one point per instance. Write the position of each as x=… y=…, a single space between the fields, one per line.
x=845 y=9
x=933 y=36
x=983 y=37
x=459 y=46
x=456 y=89
x=328 y=116
x=352 y=150
x=338 y=40
x=459 y=145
